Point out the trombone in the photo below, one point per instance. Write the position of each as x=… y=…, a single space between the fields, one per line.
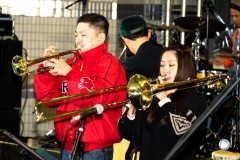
x=140 y=93
x=21 y=67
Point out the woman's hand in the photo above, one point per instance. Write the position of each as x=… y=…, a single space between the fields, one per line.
x=164 y=94
x=131 y=112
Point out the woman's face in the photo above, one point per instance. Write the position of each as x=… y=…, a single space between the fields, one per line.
x=169 y=66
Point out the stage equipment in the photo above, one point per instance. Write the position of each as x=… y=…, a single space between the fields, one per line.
x=140 y=93
x=21 y=67
x=224 y=144
x=193 y=23
x=27 y=152
x=222 y=154
x=10 y=84
x=6 y=25
x=216 y=87
x=234 y=56
x=123 y=53
x=164 y=27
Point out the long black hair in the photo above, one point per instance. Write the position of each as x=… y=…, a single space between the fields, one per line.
x=186 y=70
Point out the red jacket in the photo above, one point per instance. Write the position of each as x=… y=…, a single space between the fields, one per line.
x=94 y=69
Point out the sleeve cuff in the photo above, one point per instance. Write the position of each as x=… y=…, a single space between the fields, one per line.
x=131 y=118
x=163 y=101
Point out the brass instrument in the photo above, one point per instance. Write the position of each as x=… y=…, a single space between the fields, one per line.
x=21 y=67
x=140 y=93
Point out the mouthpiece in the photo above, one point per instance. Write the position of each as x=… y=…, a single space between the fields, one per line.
x=164 y=77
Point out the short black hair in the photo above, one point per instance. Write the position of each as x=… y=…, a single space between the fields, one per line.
x=95 y=20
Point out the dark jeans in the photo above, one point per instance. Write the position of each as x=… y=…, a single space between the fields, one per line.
x=99 y=154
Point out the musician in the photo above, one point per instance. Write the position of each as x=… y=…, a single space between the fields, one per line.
x=235 y=16
x=138 y=38
x=94 y=68
x=135 y=34
x=164 y=122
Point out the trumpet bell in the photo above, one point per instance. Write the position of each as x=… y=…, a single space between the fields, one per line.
x=19 y=66
x=140 y=92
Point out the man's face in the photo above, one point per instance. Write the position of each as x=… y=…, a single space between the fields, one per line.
x=235 y=15
x=87 y=37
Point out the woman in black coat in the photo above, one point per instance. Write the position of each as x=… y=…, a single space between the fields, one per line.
x=171 y=114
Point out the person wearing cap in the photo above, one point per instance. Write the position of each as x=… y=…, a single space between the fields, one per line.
x=136 y=36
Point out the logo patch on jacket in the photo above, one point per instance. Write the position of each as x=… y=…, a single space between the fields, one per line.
x=64 y=87
x=180 y=124
x=86 y=83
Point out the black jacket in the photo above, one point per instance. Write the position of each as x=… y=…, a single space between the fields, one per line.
x=157 y=141
x=146 y=61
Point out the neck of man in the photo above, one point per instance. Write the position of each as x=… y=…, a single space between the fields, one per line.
x=138 y=42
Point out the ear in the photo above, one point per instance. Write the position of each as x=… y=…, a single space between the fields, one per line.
x=102 y=37
x=149 y=33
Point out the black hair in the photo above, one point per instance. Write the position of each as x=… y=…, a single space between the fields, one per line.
x=186 y=70
x=95 y=20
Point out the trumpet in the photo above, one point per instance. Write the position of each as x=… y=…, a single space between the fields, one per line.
x=140 y=93
x=21 y=67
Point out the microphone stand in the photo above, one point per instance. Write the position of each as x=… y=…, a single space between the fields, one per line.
x=25 y=150
x=196 y=48
x=84 y=5
x=77 y=140
x=237 y=107
x=207 y=38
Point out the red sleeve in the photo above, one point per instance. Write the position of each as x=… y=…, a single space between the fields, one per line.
x=228 y=63
x=46 y=86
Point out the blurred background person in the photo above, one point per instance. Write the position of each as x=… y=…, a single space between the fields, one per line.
x=137 y=37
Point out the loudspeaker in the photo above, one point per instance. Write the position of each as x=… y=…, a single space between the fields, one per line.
x=6 y=25
x=10 y=84
x=9 y=120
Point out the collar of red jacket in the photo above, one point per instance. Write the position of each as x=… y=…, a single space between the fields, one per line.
x=97 y=50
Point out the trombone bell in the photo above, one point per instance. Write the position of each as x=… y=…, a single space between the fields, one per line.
x=139 y=92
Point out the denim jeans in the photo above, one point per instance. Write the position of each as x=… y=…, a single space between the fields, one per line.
x=99 y=154
x=66 y=155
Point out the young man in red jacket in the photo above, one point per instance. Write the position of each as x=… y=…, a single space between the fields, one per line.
x=94 y=68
